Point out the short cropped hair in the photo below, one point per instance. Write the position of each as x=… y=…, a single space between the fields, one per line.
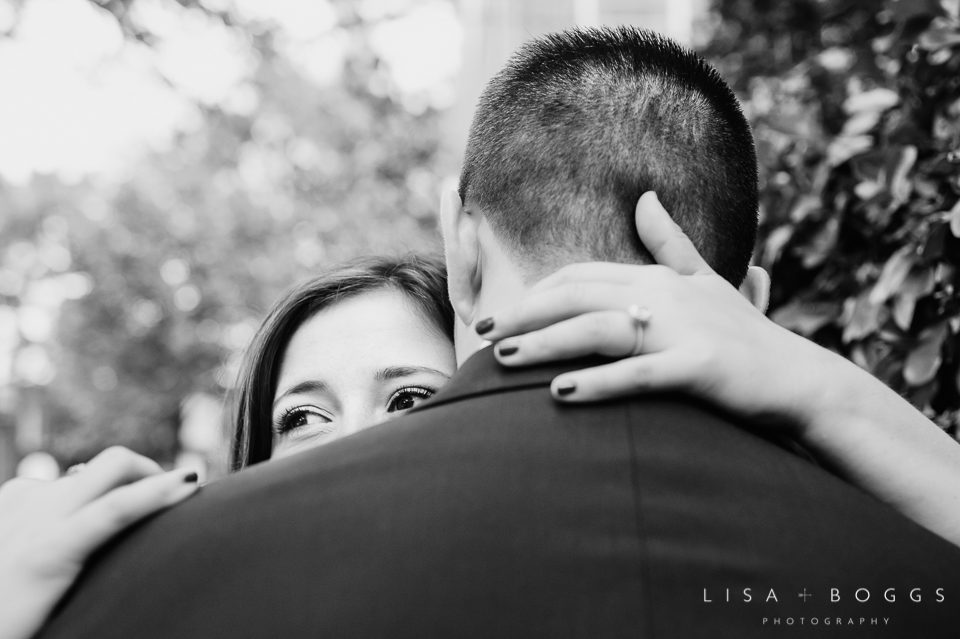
x=422 y=279
x=579 y=124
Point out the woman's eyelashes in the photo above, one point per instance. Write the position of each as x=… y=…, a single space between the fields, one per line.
x=308 y=419
x=407 y=397
x=298 y=417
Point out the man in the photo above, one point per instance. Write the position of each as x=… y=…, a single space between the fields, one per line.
x=492 y=510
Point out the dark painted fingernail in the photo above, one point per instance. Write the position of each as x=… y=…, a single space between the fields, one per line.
x=565 y=388
x=191 y=478
x=484 y=326
x=507 y=349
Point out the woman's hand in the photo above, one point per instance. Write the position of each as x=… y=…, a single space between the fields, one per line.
x=48 y=529
x=688 y=329
x=691 y=331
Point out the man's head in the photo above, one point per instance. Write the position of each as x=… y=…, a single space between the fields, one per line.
x=578 y=125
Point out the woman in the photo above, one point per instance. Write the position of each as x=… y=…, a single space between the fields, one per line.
x=709 y=341
x=393 y=349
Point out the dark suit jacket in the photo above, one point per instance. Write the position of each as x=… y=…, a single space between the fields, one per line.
x=495 y=512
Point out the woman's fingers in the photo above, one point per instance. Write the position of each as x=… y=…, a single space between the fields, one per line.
x=102 y=518
x=541 y=309
x=49 y=529
x=17 y=488
x=110 y=469
x=609 y=333
x=665 y=240
x=656 y=372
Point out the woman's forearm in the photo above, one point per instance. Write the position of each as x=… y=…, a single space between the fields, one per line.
x=872 y=437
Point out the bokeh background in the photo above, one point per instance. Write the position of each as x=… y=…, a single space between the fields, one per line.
x=167 y=167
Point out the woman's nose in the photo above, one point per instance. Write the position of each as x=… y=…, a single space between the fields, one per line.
x=357 y=421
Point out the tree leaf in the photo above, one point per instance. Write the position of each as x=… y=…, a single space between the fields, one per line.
x=806 y=318
x=955 y=219
x=861 y=122
x=844 y=148
x=775 y=243
x=903 y=10
x=864 y=318
x=900 y=186
x=804 y=207
x=903 y=307
x=822 y=244
x=937 y=38
x=924 y=361
x=867 y=190
x=894 y=272
x=935 y=245
x=918 y=284
x=873 y=355
x=859 y=356
x=872 y=100
x=921 y=396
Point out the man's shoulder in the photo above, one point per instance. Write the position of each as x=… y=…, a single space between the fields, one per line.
x=549 y=508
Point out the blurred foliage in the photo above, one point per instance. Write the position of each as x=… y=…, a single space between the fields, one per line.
x=123 y=299
x=118 y=301
x=856 y=110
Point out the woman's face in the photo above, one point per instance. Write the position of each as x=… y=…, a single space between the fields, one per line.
x=357 y=363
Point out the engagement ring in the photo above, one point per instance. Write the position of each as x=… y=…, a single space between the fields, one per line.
x=641 y=317
x=76 y=468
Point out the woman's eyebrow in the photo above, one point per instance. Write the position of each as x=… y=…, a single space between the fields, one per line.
x=309 y=386
x=394 y=372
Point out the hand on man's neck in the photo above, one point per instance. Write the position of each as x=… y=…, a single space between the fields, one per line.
x=501 y=283
x=482 y=275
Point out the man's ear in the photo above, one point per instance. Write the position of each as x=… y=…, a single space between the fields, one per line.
x=756 y=288
x=462 y=251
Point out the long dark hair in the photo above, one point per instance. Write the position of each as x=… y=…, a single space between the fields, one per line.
x=423 y=279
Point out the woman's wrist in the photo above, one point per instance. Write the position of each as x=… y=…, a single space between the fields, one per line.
x=24 y=604
x=835 y=392
x=858 y=425
x=805 y=384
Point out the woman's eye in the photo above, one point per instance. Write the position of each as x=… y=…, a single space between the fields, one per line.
x=300 y=417
x=407 y=398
